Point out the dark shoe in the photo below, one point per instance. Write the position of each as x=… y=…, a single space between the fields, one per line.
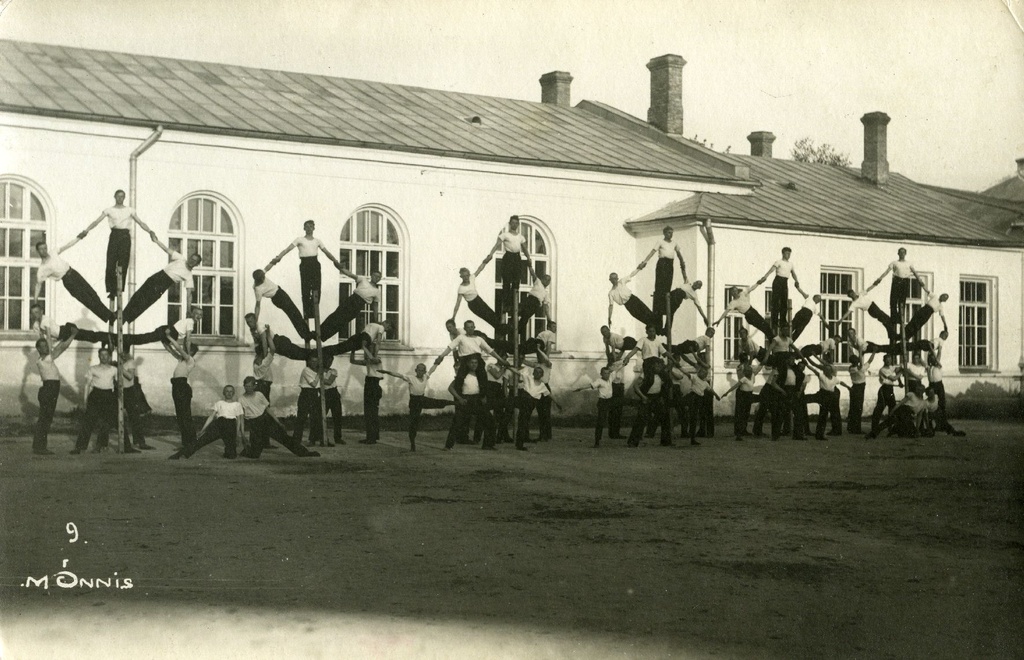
x=835 y=433
x=131 y=450
x=739 y=438
x=144 y=446
x=330 y=444
x=694 y=442
x=231 y=456
x=43 y=452
x=175 y=456
x=76 y=451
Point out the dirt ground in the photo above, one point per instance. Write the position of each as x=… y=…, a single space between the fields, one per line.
x=888 y=548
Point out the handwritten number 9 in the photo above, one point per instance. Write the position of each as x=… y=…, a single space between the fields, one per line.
x=72 y=531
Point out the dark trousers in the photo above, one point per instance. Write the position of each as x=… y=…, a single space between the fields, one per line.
x=309 y=408
x=856 y=408
x=707 y=415
x=372 y=394
x=105 y=337
x=615 y=409
x=135 y=406
x=474 y=407
x=544 y=417
x=480 y=307
x=525 y=403
x=755 y=319
x=828 y=409
x=801 y=424
x=286 y=347
x=284 y=303
x=886 y=401
x=100 y=415
x=221 y=429
x=782 y=412
x=662 y=283
x=941 y=420
x=898 y=293
x=780 y=300
x=345 y=313
x=917 y=322
x=511 y=269
x=800 y=321
x=147 y=294
x=651 y=413
x=604 y=407
x=741 y=415
x=119 y=253
x=83 y=292
x=417 y=404
x=693 y=404
x=531 y=305
x=309 y=281
x=263 y=387
x=264 y=428
x=332 y=403
x=500 y=404
x=640 y=311
x=898 y=347
x=181 y=394
x=875 y=312
x=765 y=403
x=48 y=395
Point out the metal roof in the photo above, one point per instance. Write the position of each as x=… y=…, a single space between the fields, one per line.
x=203 y=97
x=812 y=198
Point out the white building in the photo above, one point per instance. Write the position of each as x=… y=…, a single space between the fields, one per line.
x=417 y=183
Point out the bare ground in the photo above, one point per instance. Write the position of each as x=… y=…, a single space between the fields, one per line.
x=889 y=548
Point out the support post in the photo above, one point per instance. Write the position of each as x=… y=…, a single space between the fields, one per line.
x=515 y=361
x=120 y=362
x=320 y=368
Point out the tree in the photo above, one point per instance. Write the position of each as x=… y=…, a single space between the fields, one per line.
x=805 y=151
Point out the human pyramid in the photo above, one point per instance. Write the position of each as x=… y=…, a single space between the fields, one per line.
x=488 y=396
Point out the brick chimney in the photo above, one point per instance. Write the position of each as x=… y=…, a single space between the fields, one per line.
x=554 y=88
x=666 y=111
x=875 y=167
x=761 y=143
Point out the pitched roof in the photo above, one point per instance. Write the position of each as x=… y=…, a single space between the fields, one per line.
x=836 y=200
x=1009 y=188
x=203 y=97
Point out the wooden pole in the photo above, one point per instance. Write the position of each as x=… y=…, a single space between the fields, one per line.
x=668 y=356
x=515 y=358
x=320 y=369
x=120 y=362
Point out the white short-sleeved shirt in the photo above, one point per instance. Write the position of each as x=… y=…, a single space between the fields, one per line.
x=666 y=249
x=119 y=217
x=468 y=291
x=652 y=348
x=177 y=269
x=916 y=371
x=532 y=386
x=901 y=269
x=101 y=376
x=809 y=304
x=688 y=289
x=253 y=405
x=615 y=341
x=783 y=268
x=366 y=289
x=620 y=293
x=46 y=325
x=185 y=326
x=888 y=375
x=308 y=378
x=308 y=247
x=547 y=337
x=603 y=387
x=48 y=369
x=417 y=387
x=266 y=290
x=470 y=385
x=858 y=376
x=826 y=383
x=745 y=384
x=827 y=345
x=53 y=268
x=467 y=345
x=702 y=341
x=228 y=409
x=862 y=302
x=740 y=303
x=539 y=291
x=261 y=369
x=375 y=331
x=184 y=367
x=512 y=242
x=933 y=302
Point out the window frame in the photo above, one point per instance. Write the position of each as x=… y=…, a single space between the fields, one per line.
x=843 y=300
x=399 y=283
x=181 y=236
x=28 y=265
x=990 y=327
x=728 y=340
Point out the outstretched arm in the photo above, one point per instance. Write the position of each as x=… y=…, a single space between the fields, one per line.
x=62 y=346
x=796 y=283
x=152 y=237
x=458 y=301
x=276 y=260
x=700 y=310
x=881 y=277
x=646 y=259
x=259 y=301
x=145 y=227
x=483 y=264
x=682 y=264
x=334 y=260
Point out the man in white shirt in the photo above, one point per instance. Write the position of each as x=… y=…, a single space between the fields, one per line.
x=469 y=343
x=468 y=393
x=620 y=294
x=741 y=303
x=652 y=411
x=100 y=405
x=531 y=390
x=177 y=271
x=49 y=392
x=827 y=398
x=56 y=269
x=418 y=399
x=309 y=266
x=667 y=251
x=804 y=315
x=784 y=270
x=264 y=287
x=263 y=424
x=932 y=306
x=862 y=301
x=902 y=272
x=514 y=245
x=536 y=301
x=226 y=422
x=119 y=246
x=548 y=338
x=366 y=292
x=888 y=378
x=605 y=398
x=685 y=292
x=467 y=291
x=181 y=391
x=309 y=404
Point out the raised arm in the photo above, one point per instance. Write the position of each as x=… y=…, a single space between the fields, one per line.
x=442 y=356
x=55 y=351
x=881 y=277
x=347 y=273
x=644 y=261
x=483 y=264
x=701 y=311
x=276 y=260
x=259 y=303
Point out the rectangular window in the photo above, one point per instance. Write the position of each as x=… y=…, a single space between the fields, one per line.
x=731 y=332
x=916 y=300
x=835 y=283
x=976 y=322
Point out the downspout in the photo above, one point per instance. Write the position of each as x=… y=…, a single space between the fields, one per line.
x=709 y=235
x=133 y=173
x=1020 y=362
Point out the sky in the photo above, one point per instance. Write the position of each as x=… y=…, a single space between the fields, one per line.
x=950 y=73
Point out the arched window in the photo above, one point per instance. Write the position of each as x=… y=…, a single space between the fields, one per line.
x=540 y=247
x=372 y=240
x=204 y=224
x=22 y=225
